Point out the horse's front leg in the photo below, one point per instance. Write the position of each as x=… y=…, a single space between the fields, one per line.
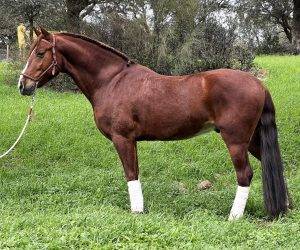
x=127 y=151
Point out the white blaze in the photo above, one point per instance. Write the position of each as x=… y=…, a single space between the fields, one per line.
x=239 y=203
x=136 y=196
x=21 y=76
x=25 y=68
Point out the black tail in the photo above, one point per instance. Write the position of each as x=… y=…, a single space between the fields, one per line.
x=275 y=191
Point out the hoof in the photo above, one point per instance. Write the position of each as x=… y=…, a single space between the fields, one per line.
x=137 y=212
x=234 y=218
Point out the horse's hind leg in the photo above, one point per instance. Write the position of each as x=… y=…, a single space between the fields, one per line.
x=238 y=150
x=254 y=146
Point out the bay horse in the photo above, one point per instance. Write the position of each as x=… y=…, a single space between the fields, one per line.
x=132 y=103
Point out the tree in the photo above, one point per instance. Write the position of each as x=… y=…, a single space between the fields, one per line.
x=31 y=10
x=169 y=37
x=28 y=11
x=296 y=25
x=264 y=15
x=25 y=10
x=279 y=12
x=74 y=8
x=162 y=34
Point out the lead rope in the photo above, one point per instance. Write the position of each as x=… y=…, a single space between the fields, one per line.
x=29 y=116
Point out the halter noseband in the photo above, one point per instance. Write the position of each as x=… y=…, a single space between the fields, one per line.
x=53 y=65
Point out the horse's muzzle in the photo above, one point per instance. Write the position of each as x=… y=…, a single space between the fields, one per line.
x=26 y=87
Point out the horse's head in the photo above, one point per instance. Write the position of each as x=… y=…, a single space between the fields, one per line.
x=41 y=65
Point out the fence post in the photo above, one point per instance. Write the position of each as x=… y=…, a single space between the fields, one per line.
x=7 y=51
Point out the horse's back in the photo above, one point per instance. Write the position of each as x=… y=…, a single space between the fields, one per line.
x=205 y=92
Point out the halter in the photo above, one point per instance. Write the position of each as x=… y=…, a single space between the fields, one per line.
x=53 y=65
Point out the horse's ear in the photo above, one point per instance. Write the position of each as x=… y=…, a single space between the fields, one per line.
x=36 y=31
x=45 y=33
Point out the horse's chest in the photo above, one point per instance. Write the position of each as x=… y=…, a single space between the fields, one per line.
x=103 y=121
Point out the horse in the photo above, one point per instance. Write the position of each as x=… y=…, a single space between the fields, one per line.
x=132 y=103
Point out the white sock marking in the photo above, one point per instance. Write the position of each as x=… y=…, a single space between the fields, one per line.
x=239 y=203
x=136 y=196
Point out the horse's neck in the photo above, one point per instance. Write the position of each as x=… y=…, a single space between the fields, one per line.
x=90 y=66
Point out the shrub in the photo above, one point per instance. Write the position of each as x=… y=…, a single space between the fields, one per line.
x=10 y=73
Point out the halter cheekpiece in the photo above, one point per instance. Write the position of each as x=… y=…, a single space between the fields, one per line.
x=53 y=65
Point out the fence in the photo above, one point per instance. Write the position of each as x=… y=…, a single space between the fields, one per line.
x=3 y=53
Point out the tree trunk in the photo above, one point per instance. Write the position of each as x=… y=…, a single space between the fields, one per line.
x=156 y=31
x=287 y=28
x=74 y=7
x=296 y=25
x=31 y=30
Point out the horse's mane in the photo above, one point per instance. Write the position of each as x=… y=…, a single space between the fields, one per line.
x=100 y=44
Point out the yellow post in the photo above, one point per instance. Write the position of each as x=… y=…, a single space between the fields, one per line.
x=21 y=31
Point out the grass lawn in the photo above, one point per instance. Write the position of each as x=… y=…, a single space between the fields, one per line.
x=63 y=187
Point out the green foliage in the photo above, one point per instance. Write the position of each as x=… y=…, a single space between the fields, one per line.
x=30 y=12
x=10 y=72
x=273 y=43
x=268 y=24
x=63 y=186
x=178 y=39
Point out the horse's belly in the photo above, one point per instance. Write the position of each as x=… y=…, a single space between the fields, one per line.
x=192 y=131
x=184 y=131
x=207 y=127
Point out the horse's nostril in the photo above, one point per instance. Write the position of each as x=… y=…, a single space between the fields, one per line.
x=21 y=82
x=21 y=86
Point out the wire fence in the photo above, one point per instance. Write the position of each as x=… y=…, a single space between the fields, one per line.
x=3 y=54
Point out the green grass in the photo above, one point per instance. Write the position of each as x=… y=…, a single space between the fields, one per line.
x=63 y=187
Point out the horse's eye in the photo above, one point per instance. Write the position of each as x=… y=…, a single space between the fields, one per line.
x=40 y=54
